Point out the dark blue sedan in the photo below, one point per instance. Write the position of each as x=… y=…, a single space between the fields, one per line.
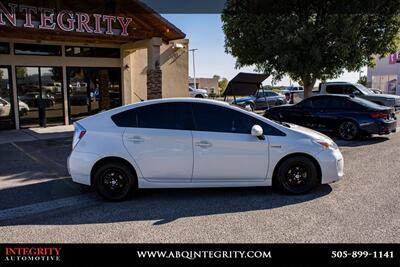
x=346 y=116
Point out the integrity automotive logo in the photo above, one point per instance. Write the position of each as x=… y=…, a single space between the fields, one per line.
x=32 y=254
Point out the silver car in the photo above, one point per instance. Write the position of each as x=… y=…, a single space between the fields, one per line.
x=263 y=99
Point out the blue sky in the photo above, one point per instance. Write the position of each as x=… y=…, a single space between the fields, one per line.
x=204 y=32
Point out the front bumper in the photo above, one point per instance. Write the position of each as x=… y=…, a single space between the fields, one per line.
x=332 y=166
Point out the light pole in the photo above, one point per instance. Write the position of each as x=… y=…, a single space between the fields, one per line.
x=194 y=67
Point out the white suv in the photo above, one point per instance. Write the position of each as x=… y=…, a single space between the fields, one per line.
x=183 y=143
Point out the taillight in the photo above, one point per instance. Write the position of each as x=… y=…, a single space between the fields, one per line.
x=378 y=115
x=78 y=134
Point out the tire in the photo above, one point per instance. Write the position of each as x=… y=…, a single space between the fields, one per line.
x=199 y=96
x=114 y=181
x=348 y=130
x=297 y=175
x=279 y=103
x=250 y=106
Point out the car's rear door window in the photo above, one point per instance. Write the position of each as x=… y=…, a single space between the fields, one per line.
x=335 y=89
x=173 y=116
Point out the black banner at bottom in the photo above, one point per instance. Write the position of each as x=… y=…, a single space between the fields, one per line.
x=293 y=255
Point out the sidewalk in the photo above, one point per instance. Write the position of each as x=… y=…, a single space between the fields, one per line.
x=12 y=136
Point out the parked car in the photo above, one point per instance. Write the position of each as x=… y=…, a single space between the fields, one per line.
x=346 y=116
x=376 y=91
x=262 y=100
x=295 y=88
x=197 y=93
x=360 y=91
x=5 y=108
x=32 y=99
x=187 y=143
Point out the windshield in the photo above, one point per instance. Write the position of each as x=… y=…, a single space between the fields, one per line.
x=364 y=89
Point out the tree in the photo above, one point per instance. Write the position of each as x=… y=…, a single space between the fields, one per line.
x=363 y=80
x=311 y=39
x=222 y=82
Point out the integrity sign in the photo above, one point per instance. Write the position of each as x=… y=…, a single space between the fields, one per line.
x=19 y=15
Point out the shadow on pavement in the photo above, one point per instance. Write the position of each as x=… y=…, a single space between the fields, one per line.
x=363 y=141
x=39 y=192
x=167 y=205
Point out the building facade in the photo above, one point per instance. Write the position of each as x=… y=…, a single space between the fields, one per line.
x=209 y=84
x=385 y=74
x=63 y=60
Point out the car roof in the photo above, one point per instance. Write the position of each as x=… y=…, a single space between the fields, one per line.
x=331 y=95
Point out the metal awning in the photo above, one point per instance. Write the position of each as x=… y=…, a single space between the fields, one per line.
x=245 y=84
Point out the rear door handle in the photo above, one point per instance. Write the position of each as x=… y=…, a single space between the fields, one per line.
x=136 y=139
x=204 y=144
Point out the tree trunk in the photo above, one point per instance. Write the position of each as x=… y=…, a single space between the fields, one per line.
x=308 y=90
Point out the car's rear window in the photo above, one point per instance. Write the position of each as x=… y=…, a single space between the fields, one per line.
x=366 y=103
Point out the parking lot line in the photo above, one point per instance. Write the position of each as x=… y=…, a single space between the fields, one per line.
x=25 y=153
x=36 y=208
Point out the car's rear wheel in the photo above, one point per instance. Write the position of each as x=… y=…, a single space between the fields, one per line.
x=199 y=96
x=297 y=175
x=114 y=181
x=348 y=130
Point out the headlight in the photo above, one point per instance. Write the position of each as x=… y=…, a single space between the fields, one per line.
x=325 y=144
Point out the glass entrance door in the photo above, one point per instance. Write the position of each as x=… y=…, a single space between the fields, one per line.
x=40 y=96
x=92 y=90
x=6 y=99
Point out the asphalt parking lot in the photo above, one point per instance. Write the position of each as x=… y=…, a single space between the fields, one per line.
x=39 y=203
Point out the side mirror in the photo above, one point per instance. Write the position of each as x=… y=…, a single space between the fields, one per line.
x=258 y=132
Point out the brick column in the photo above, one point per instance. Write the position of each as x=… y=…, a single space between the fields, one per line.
x=154 y=73
x=154 y=83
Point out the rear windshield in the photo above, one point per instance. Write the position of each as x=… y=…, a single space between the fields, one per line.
x=366 y=103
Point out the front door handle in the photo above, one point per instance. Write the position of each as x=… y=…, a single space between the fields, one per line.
x=204 y=144
x=136 y=139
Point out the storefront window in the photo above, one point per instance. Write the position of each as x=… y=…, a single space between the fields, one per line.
x=40 y=96
x=79 y=51
x=6 y=102
x=4 y=48
x=37 y=50
x=92 y=90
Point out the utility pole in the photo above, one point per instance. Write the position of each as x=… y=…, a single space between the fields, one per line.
x=194 y=67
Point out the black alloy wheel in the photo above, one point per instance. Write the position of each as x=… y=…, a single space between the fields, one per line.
x=114 y=181
x=297 y=175
x=348 y=130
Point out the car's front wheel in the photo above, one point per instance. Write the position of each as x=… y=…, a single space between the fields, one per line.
x=114 y=181
x=297 y=175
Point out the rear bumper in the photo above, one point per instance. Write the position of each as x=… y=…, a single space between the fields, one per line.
x=379 y=127
x=80 y=165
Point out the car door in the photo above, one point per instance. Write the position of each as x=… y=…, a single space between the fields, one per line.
x=224 y=149
x=161 y=143
x=261 y=100
x=300 y=113
x=321 y=112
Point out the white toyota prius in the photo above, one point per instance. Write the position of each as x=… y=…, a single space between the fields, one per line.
x=186 y=143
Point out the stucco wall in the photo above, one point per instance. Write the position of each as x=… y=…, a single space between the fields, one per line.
x=174 y=67
x=174 y=63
